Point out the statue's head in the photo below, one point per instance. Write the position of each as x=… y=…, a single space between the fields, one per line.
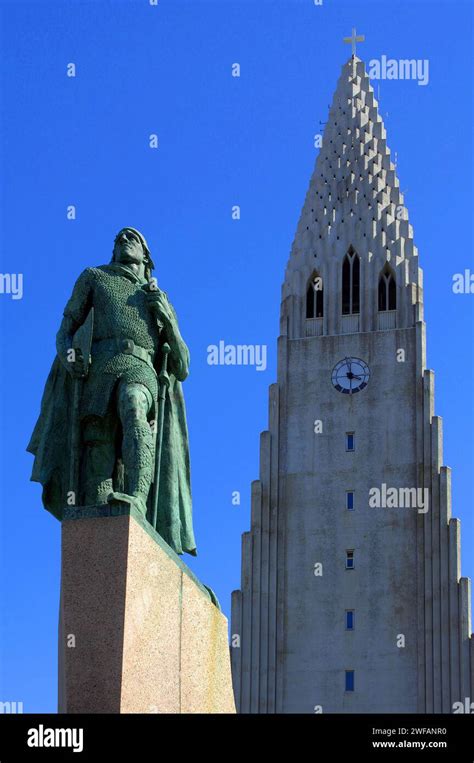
x=130 y=247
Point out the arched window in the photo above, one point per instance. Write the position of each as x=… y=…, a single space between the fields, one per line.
x=315 y=297
x=351 y=283
x=387 y=290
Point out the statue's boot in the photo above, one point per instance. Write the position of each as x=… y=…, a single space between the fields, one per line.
x=138 y=460
x=137 y=501
x=137 y=445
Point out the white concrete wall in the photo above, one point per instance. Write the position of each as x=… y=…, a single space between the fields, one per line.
x=318 y=528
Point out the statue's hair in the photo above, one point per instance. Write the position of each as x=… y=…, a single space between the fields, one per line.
x=149 y=264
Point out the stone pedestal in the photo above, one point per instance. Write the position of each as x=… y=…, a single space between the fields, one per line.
x=138 y=633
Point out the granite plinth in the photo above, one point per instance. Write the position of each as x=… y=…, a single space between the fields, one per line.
x=138 y=632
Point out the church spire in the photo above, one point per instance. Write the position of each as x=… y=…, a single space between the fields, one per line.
x=354 y=175
x=354 y=198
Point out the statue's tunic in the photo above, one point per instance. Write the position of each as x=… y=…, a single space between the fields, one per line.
x=121 y=312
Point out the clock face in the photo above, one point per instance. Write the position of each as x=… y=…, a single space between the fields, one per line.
x=350 y=375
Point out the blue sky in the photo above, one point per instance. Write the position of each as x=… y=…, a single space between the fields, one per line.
x=222 y=141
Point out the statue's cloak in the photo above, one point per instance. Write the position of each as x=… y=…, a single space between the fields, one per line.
x=50 y=445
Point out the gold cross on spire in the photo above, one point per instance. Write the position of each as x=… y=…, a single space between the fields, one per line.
x=354 y=39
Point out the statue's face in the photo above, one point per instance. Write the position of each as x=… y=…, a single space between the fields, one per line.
x=128 y=248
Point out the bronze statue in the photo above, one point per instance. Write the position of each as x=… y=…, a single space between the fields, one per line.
x=113 y=422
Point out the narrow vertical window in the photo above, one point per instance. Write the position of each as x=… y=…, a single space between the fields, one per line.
x=392 y=293
x=350 y=500
x=351 y=283
x=350 y=442
x=310 y=301
x=350 y=559
x=319 y=296
x=346 y=285
x=355 y=284
x=349 y=619
x=382 y=293
x=350 y=680
x=315 y=297
x=387 y=290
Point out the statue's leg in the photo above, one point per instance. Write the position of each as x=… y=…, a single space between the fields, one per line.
x=134 y=403
x=99 y=458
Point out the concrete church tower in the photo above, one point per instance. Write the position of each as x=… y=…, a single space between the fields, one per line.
x=351 y=597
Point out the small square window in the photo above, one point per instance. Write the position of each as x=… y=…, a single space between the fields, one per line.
x=350 y=500
x=349 y=559
x=349 y=680
x=350 y=441
x=349 y=619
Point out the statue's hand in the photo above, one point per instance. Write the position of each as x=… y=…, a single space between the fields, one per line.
x=75 y=365
x=158 y=303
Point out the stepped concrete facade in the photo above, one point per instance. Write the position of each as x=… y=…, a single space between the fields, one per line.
x=351 y=597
